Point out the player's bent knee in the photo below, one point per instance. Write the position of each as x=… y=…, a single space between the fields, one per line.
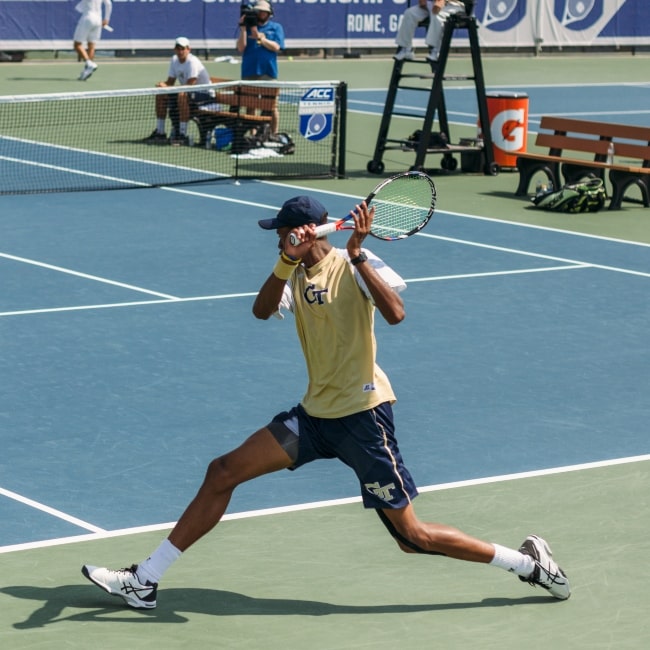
x=403 y=547
x=218 y=477
x=409 y=541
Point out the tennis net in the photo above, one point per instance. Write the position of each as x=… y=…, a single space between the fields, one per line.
x=101 y=140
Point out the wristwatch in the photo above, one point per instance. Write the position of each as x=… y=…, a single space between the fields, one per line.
x=361 y=257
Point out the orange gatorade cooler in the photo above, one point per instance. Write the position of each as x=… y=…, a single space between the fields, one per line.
x=508 y=115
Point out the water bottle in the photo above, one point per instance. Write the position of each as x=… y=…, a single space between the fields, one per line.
x=540 y=187
x=610 y=154
x=209 y=139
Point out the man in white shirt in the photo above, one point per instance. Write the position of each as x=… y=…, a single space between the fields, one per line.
x=89 y=30
x=188 y=71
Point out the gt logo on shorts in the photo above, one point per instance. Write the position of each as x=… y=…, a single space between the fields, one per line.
x=381 y=491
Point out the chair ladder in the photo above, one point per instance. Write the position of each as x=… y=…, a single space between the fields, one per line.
x=436 y=104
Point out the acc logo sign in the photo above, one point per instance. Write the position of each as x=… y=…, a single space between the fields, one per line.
x=319 y=94
x=316 y=111
x=508 y=129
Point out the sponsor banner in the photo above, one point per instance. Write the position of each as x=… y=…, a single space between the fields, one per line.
x=563 y=22
x=212 y=24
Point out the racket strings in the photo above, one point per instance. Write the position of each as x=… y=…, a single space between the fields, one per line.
x=403 y=206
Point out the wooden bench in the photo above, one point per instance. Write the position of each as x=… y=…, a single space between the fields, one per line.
x=631 y=156
x=241 y=107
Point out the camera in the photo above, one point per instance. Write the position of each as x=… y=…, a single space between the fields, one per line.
x=250 y=15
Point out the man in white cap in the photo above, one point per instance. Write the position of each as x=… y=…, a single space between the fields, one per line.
x=188 y=71
x=89 y=30
x=440 y=11
x=260 y=39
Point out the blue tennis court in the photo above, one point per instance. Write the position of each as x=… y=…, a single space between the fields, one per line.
x=132 y=357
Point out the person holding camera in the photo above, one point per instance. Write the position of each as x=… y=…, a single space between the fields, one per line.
x=260 y=39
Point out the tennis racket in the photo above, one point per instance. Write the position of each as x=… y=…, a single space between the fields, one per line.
x=403 y=204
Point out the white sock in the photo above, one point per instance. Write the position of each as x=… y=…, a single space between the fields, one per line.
x=153 y=568
x=160 y=126
x=512 y=561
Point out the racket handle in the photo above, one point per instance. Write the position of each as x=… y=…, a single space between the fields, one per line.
x=326 y=229
x=321 y=231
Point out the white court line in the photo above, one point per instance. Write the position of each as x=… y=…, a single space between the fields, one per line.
x=86 y=276
x=74 y=171
x=98 y=154
x=106 y=534
x=517 y=251
x=203 y=195
x=50 y=511
x=640 y=84
x=251 y=294
x=532 y=226
x=136 y=303
x=495 y=273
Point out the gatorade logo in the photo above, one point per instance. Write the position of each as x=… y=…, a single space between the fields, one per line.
x=508 y=129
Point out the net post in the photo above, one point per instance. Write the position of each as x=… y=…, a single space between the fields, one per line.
x=343 y=120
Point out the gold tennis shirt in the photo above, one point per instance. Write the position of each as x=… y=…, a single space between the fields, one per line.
x=335 y=325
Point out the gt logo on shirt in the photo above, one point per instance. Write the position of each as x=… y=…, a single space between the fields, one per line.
x=381 y=491
x=313 y=295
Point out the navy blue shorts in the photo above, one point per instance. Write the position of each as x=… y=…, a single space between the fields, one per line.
x=200 y=98
x=364 y=441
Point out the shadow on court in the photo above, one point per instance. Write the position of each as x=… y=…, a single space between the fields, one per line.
x=214 y=602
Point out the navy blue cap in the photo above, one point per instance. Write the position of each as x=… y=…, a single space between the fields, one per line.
x=298 y=211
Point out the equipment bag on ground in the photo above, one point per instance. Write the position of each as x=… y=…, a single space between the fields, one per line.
x=281 y=143
x=588 y=195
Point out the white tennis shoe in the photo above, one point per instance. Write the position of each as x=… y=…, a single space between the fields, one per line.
x=547 y=574
x=125 y=584
x=404 y=54
x=89 y=68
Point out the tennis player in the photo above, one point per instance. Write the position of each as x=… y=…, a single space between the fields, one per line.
x=346 y=412
x=89 y=31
